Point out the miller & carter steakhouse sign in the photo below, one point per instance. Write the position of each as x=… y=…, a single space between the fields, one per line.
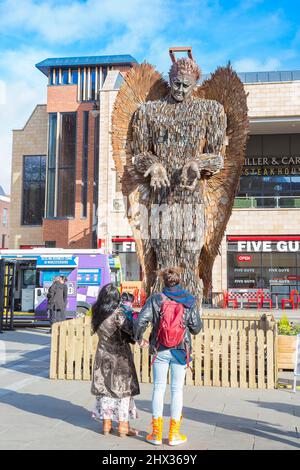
x=272 y=166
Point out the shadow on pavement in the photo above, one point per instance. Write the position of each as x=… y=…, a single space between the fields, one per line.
x=27 y=337
x=29 y=362
x=51 y=407
x=253 y=427
x=59 y=409
x=291 y=409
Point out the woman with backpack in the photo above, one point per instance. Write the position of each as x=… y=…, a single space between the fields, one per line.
x=115 y=381
x=174 y=317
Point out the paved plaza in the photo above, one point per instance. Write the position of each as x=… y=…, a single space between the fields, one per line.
x=38 y=413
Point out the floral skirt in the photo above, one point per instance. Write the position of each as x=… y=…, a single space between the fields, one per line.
x=116 y=409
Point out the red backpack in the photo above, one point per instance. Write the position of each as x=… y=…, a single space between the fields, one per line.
x=171 y=328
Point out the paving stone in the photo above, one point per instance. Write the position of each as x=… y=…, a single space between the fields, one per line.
x=55 y=414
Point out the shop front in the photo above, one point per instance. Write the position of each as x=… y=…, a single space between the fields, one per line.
x=271 y=263
x=126 y=250
x=271 y=174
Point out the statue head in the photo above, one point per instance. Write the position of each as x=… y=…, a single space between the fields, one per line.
x=184 y=75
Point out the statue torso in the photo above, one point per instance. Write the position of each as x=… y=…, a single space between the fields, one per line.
x=176 y=129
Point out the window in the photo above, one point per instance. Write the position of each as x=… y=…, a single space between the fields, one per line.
x=61 y=167
x=93 y=84
x=277 y=271
x=74 y=76
x=65 y=76
x=3 y=241
x=96 y=180
x=271 y=173
x=82 y=83
x=66 y=166
x=51 y=164
x=4 y=217
x=104 y=74
x=33 y=189
x=57 y=77
x=85 y=153
x=29 y=277
x=50 y=244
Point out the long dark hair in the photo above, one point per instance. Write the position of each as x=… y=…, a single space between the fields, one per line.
x=107 y=302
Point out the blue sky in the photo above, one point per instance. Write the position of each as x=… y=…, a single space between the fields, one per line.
x=252 y=34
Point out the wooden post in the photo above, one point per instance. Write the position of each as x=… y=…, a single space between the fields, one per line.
x=216 y=357
x=225 y=358
x=207 y=359
x=270 y=359
x=189 y=373
x=70 y=350
x=87 y=349
x=252 y=359
x=261 y=358
x=198 y=358
x=54 y=352
x=78 y=349
x=62 y=350
x=233 y=359
x=243 y=364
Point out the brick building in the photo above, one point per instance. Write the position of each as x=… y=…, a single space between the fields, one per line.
x=55 y=161
x=4 y=219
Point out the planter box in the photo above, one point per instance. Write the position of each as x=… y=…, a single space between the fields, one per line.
x=286 y=347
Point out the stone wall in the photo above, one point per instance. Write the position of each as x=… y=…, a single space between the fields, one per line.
x=31 y=140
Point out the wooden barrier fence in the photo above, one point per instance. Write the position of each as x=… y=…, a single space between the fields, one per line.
x=230 y=351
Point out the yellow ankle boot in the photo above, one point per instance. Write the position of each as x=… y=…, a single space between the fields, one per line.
x=155 y=437
x=175 y=438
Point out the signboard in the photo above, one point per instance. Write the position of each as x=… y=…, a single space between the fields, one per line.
x=297 y=362
x=131 y=286
x=89 y=277
x=257 y=246
x=114 y=262
x=244 y=258
x=45 y=261
x=272 y=166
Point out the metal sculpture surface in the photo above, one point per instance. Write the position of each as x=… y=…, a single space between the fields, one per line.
x=179 y=151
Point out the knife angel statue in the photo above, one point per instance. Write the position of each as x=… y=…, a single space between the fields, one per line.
x=179 y=150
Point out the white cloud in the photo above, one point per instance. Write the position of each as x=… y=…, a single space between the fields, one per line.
x=25 y=88
x=249 y=64
x=74 y=21
x=2 y=92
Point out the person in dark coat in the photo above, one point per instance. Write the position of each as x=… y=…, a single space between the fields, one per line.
x=175 y=358
x=115 y=380
x=57 y=299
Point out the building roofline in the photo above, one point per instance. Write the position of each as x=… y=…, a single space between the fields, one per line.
x=5 y=198
x=121 y=59
x=32 y=113
x=271 y=76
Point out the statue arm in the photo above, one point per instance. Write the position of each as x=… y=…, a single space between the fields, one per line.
x=209 y=156
x=216 y=139
x=142 y=145
x=145 y=161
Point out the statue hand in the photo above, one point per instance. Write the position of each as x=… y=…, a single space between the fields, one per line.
x=159 y=177
x=190 y=171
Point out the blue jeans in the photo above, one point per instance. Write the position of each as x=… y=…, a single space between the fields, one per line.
x=161 y=365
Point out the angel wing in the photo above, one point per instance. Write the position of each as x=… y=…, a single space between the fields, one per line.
x=225 y=87
x=141 y=83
